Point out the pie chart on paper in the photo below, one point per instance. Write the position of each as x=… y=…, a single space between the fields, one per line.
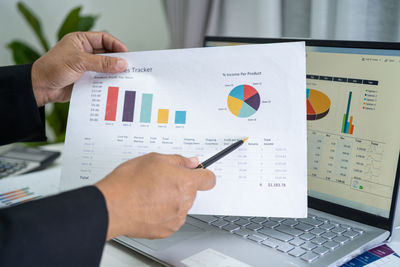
x=243 y=101
x=318 y=105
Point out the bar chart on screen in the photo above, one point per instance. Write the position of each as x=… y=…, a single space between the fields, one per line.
x=347 y=123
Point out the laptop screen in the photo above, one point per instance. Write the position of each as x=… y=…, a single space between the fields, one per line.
x=353 y=125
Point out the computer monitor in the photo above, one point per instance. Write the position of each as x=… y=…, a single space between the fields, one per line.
x=353 y=126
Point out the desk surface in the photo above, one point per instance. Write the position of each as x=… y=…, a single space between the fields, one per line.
x=117 y=255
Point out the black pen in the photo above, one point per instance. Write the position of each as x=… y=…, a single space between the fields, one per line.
x=221 y=154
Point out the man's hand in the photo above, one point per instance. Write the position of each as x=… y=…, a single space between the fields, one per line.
x=54 y=73
x=149 y=196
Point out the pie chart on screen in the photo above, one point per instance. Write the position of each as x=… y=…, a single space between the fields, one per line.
x=318 y=105
x=243 y=101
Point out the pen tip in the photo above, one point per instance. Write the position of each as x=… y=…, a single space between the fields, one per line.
x=245 y=139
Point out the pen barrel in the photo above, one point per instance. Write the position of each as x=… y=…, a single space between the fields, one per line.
x=221 y=154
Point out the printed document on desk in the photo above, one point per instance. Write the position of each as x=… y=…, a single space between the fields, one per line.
x=23 y=188
x=195 y=102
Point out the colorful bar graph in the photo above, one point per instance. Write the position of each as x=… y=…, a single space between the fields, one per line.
x=111 y=106
x=128 y=111
x=129 y=106
x=180 y=117
x=11 y=193
x=347 y=124
x=16 y=197
x=163 y=115
x=145 y=110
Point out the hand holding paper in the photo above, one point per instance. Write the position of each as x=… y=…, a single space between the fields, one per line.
x=54 y=73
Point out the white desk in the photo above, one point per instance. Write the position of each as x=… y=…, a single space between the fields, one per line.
x=117 y=255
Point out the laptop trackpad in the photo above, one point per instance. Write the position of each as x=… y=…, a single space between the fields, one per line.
x=187 y=231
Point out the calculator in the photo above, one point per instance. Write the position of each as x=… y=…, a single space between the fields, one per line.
x=18 y=160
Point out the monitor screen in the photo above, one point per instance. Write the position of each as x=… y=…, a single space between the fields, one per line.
x=353 y=125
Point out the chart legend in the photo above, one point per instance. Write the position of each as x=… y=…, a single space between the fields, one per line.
x=318 y=104
x=243 y=101
x=347 y=123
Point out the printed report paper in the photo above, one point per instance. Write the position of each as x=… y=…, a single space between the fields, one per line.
x=195 y=102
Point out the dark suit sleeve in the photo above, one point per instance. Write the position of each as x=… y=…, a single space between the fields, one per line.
x=21 y=119
x=68 y=229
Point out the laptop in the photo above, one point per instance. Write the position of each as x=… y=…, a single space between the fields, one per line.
x=353 y=170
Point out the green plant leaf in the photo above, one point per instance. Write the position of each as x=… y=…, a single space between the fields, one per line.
x=22 y=53
x=34 y=22
x=57 y=120
x=70 y=23
x=34 y=144
x=75 y=22
x=86 y=23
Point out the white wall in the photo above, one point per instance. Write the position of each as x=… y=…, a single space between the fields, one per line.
x=141 y=24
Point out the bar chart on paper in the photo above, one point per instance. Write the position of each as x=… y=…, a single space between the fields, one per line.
x=129 y=106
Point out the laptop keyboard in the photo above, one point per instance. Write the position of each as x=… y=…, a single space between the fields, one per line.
x=307 y=238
